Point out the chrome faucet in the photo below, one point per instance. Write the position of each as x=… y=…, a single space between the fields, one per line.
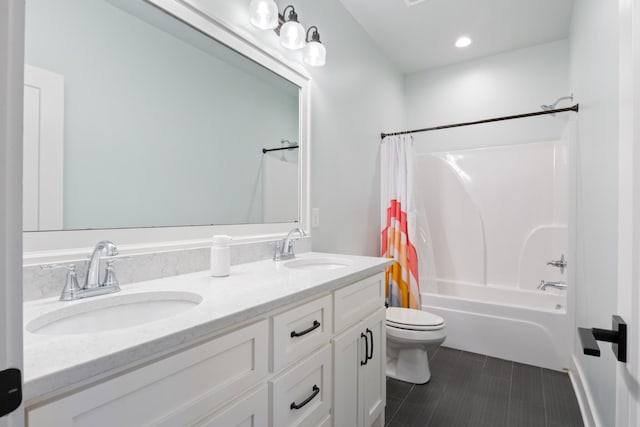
x=558 y=285
x=104 y=247
x=284 y=248
x=92 y=286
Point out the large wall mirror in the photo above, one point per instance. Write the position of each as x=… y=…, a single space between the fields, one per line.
x=136 y=117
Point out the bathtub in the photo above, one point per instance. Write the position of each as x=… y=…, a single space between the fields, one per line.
x=521 y=325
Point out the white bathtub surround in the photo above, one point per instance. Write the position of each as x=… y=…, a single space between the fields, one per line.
x=529 y=327
x=399 y=220
x=498 y=215
x=53 y=362
x=40 y=283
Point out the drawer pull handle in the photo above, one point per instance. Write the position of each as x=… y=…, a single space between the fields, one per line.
x=316 y=325
x=315 y=389
x=370 y=356
x=366 y=349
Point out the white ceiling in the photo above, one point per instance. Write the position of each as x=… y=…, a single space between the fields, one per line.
x=422 y=36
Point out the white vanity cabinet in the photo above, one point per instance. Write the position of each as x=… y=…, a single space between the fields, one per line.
x=359 y=354
x=304 y=365
x=178 y=390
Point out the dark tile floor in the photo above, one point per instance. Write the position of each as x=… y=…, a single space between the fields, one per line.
x=468 y=389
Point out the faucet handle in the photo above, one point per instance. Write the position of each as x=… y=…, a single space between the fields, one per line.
x=71 y=286
x=110 y=279
x=277 y=249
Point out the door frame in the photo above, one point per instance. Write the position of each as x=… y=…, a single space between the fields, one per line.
x=628 y=375
x=11 y=101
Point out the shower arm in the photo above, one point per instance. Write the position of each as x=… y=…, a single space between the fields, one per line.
x=547 y=107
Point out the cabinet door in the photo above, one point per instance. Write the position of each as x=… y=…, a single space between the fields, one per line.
x=355 y=302
x=372 y=375
x=299 y=331
x=249 y=411
x=348 y=354
x=301 y=395
x=175 y=391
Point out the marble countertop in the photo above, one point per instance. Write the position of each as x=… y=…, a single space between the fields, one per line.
x=58 y=362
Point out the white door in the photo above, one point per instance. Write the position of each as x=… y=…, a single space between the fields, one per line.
x=11 y=66
x=43 y=149
x=628 y=375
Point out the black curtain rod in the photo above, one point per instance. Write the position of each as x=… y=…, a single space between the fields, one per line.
x=266 y=150
x=496 y=119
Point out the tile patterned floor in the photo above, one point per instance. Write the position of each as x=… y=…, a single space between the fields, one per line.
x=468 y=389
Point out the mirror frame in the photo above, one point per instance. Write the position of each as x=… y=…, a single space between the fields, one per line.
x=47 y=246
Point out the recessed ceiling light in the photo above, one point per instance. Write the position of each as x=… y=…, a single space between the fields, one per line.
x=463 y=41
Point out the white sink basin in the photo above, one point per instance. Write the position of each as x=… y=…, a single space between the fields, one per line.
x=323 y=263
x=113 y=312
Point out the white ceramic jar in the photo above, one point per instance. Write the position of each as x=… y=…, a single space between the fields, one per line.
x=220 y=256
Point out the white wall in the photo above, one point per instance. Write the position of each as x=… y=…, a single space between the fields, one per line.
x=501 y=85
x=594 y=81
x=355 y=96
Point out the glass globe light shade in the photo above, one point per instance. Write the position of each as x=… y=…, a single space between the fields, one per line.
x=292 y=35
x=264 y=14
x=315 y=54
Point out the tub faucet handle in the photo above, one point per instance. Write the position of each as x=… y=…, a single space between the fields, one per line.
x=561 y=263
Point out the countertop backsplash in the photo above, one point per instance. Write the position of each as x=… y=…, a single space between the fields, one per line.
x=38 y=283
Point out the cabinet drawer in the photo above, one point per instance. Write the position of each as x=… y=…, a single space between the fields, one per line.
x=178 y=390
x=301 y=396
x=300 y=331
x=248 y=411
x=357 y=301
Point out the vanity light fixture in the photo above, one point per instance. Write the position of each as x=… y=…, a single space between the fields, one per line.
x=315 y=54
x=463 y=41
x=264 y=14
x=292 y=35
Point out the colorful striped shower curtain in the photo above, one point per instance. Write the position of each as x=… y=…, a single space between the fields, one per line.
x=399 y=228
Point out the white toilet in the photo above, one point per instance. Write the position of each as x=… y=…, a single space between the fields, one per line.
x=410 y=335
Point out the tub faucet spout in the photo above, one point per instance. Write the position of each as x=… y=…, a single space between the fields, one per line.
x=557 y=285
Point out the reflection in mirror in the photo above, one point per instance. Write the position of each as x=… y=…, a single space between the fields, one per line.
x=135 y=119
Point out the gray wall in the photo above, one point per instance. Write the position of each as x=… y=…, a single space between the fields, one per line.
x=509 y=83
x=355 y=96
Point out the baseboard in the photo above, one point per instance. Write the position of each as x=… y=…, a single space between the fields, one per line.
x=583 y=394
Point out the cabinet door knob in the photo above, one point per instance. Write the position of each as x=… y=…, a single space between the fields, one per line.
x=315 y=392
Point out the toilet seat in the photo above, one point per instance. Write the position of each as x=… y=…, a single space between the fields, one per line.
x=413 y=320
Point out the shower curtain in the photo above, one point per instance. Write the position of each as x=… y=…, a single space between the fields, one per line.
x=399 y=221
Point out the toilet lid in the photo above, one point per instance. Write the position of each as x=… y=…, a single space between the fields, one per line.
x=408 y=318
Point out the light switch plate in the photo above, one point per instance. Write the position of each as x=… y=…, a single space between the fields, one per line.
x=315 y=217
